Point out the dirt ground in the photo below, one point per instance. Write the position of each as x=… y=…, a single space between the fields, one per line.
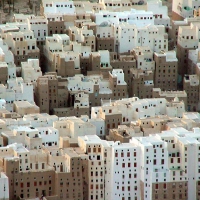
x=20 y=6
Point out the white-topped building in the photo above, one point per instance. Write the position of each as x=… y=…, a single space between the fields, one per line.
x=17 y=90
x=139 y=18
x=134 y=108
x=4 y=186
x=31 y=71
x=60 y=6
x=125 y=171
x=74 y=127
x=129 y=36
x=153 y=165
x=184 y=8
x=99 y=170
x=49 y=135
x=160 y=13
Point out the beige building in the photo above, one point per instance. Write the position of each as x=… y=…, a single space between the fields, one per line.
x=124 y=133
x=112 y=117
x=105 y=44
x=30 y=71
x=105 y=38
x=125 y=62
x=83 y=35
x=70 y=166
x=52 y=95
x=152 y=125
x=187 y=40
x=37 y=24
x=23 y=45
x=178 y=189
x=99 y=167
x=70 y=128
x=99 y=87
x=46 y=93
x=144 y=57
x=173 y=30
x=166 y=70
x=52 y=173
x=191 y=87
x=170 y=95
x=59 y=55
x=78 y=105
x=24 y=108
x=3 y=72
x=99 y=62
x=55 y=23
x=142 y=83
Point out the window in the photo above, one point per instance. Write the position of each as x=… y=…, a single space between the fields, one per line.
x=135 y=188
